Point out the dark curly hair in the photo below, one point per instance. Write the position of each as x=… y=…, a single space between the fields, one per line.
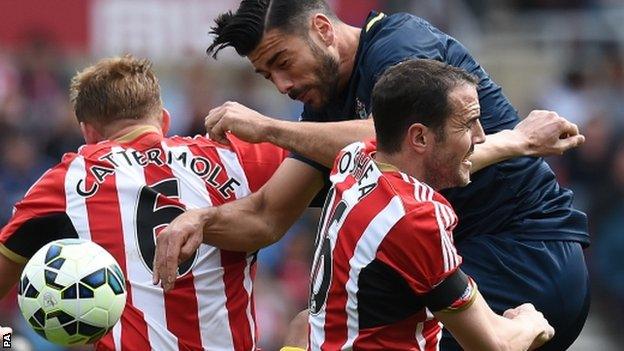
x=243 y=30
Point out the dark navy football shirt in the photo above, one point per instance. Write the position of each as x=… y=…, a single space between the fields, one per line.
x=519 y=197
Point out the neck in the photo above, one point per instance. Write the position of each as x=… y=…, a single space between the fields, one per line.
x=403 y=162
x=347 y=49
x=123 y=128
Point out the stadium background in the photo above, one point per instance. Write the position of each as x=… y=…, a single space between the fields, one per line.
x=549 y=54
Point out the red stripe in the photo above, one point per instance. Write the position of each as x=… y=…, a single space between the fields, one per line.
x=234 y=264
x=356 y=222
x=213 y=180
x=398 y=336
x=106 y=230
x=181 y=310
x=431 y=331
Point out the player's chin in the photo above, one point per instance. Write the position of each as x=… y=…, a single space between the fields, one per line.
x=464 y=175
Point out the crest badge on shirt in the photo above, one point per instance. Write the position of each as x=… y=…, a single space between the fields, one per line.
x=360 y=109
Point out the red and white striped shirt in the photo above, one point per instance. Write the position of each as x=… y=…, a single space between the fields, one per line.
x=120 y=194
x=385 y=242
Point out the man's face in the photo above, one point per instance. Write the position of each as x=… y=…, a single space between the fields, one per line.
x=447 y=164
x=297 y=66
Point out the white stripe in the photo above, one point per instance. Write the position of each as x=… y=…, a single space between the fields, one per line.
x=350 y=197
x=445 y=216
x=420 y=338
x=364 y=254
x=76 y=205
x=211 y=298
x=405 y=177
x=423 y=192
x=445 y=252
x=207 y=272
x=451 y=216
x=145 y=296
x=430 y=192
x=417 y=192
x=117 y=335
x=234 y=170
x=444 y=235
x=248 y=285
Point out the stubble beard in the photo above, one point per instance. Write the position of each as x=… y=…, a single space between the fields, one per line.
x=327 y=76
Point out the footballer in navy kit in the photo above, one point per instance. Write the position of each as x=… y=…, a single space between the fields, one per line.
x=521 y=239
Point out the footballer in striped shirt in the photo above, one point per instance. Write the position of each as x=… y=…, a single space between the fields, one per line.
x=386 y=274
x=124 y=186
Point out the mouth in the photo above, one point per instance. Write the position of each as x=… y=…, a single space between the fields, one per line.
x=466 y=160
x=298 y=94
x=303 y=97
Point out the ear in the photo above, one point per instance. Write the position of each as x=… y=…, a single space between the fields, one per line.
x=418 y=137
x=90 y=133
x=165 y=122
x=324 y=29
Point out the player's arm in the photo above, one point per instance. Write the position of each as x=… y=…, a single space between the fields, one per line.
x=320 y=142
x=431 y=267
x=247 y=224
x=297 y=334
x=10 y=271
x=541 y=133
x=476 y=327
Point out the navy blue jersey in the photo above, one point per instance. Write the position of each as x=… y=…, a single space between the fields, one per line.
x=518 y=197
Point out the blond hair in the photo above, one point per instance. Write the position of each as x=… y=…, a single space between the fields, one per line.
x=114 y=89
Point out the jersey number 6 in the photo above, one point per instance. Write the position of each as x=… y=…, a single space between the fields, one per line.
x=152 y=216
x=322 y=268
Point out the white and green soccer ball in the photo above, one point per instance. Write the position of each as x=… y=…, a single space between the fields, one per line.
x=72 y=292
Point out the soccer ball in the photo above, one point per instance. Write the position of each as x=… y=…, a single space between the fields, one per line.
x=72 y=292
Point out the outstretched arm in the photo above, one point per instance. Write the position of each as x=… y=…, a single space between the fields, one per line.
x=320 y=142
x=541 y=133
x=247 y=224
x=478 y=328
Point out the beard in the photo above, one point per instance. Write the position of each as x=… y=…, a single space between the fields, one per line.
x=444 y=169
x=326 y=77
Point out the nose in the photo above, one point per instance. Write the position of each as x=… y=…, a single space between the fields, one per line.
x=282 y=83
x=478 y=135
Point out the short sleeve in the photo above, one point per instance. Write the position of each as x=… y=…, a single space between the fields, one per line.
x=407 y=37
x=420 y=249
x=259 y=161
x=38 y=218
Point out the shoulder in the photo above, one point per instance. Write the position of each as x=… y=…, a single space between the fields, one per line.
x=397 y=38
x=425 y=209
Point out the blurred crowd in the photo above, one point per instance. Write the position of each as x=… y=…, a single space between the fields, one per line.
x=37 y=126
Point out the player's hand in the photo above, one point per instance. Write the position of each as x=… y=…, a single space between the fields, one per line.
x=545 y=133
x=530 y=316
x=239 y=120
x=176 y=244
x=4 y=331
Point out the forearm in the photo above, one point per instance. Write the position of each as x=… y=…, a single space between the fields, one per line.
x=513 y=334
x=478 y=328
x=317 y=141
x=496 y=148
x=297 y=335
x=10 y=272
x=264 y=217
x=238 y=226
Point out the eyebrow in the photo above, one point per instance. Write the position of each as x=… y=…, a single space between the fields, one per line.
x=272 y=60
